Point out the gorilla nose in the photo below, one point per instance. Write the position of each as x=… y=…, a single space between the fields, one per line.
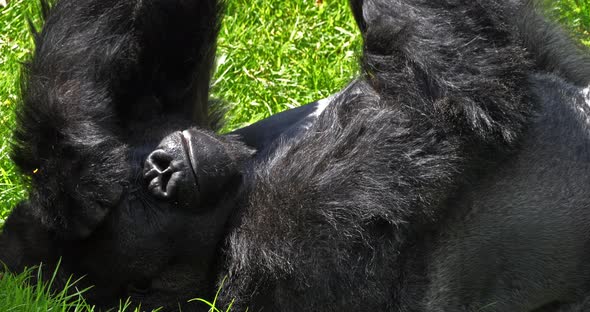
x=168 y=169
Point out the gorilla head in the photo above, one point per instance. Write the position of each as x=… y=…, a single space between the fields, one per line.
x=143 y=245
x=130 y=186
x=108 y=81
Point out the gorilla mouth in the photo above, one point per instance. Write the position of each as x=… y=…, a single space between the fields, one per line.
x=190 y=155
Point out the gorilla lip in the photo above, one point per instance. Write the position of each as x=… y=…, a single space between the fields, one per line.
x=185 y=139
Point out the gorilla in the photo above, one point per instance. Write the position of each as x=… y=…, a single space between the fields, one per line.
x=452 y=175
x=108 y=81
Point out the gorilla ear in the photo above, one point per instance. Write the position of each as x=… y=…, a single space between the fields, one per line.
x=24 y=240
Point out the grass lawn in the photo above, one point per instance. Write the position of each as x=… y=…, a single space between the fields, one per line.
x=273 y=55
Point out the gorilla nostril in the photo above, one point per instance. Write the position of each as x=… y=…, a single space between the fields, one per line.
x=160 y=159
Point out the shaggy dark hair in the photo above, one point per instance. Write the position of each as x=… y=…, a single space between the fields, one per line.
x=102 y=70
x=347 y=217
x=451 y=175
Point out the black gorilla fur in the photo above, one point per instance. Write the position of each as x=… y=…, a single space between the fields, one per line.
x=452 y=175
x=448 y=92
x=108 y=81
x=100 y=68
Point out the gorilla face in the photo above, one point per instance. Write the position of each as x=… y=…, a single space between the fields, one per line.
x=154 y=246
x=98 y=98
x=164 y=235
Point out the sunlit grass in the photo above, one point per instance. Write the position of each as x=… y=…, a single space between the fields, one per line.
x=18 y=294
x=15 y=46
x=275 y=55
x=21 y=293
x=575 y=14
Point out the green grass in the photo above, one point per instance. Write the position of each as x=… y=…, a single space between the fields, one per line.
x=16 y=294
x=273 y=55
x=20 y=293
x=575 y=14
x=15 y=46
